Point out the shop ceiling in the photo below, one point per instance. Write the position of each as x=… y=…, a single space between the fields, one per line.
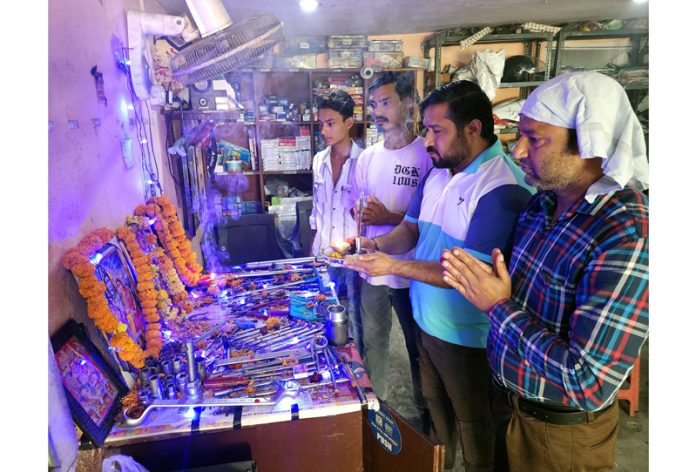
x=375 y=17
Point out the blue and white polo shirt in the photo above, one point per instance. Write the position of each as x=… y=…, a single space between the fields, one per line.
x=476 y=209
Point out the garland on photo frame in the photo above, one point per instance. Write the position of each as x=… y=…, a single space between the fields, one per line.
x=162 y=277
x=77 y=261
x=147 y=294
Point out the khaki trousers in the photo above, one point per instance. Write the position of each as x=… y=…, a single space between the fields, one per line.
x=533 y=445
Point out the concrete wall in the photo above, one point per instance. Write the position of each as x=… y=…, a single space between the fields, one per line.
x=89 y=183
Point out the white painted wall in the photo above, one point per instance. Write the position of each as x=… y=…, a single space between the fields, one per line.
x=89 y=184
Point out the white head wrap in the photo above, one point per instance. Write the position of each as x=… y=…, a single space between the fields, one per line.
x=597 y=107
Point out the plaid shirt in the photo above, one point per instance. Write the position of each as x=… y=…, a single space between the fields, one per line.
x=579 y=313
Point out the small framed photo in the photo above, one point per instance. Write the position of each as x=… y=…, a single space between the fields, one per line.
x=94 y=390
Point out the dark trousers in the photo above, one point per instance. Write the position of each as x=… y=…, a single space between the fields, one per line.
x=376 y=303
x=456 y=387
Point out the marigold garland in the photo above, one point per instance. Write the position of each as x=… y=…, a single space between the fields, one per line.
x=145 y=289
x=173 y=238
x=162 y=277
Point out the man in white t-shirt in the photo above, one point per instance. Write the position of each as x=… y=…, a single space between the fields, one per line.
x=387 y=174
x=332 y=171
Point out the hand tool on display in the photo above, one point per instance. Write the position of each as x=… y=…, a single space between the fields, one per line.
x=265 y=273
x=320 y=344
x=349 y=375
x=205 y=403
x=194 y=389
x=260 y=341
x=260 y=357
x=281 y=262
x=268 y=289
x=290 y=339
x=303 y=339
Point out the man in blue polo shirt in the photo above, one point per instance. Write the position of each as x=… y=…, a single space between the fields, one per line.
x=471 y=199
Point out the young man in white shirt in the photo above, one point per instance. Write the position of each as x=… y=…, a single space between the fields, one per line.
x=388 y=174
x=331 y=219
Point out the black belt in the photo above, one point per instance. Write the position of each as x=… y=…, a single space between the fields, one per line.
x=550 y=413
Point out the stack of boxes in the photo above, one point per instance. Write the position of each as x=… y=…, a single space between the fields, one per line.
x=273 y=108
x=346 y=51
x=289 y=153
x=300 y=52
x=384 y=54
x=372 y=135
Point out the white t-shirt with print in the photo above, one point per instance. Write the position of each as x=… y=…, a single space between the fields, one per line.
x=392 y=177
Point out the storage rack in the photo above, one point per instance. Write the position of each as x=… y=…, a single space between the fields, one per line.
x=452 y=36
x=634 y=35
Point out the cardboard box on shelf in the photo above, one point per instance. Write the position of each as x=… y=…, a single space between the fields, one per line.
x=300 y=61
x=416 y=62
x=296 y=45
x=345 y=58
x=386 y=60
x=385 y=45
x=347 y=41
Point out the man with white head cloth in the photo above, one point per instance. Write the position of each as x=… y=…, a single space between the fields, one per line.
x=570 y=317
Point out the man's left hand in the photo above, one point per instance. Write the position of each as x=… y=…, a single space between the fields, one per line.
x=372 y=264
x=476 y=281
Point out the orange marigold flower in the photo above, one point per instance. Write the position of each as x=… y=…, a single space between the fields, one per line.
x=140 y=210
x=72 y=258
x=148 y=295
x=84 y=269
x=143 y=286
x=107 y=324
x=141 y=260
x=88 y=280
x=151 y=210
x=134 y=248
x=89 y=244
x=105 y=234
x=92 y=290
x=122 y=232
x=148 y=304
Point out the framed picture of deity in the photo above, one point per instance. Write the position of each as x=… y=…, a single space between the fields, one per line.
x=94 y=390
x=115 y=270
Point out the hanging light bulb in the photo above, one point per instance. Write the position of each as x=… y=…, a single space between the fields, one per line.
x=309 y=5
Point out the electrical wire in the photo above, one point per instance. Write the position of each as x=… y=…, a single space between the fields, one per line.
x=148 y=162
